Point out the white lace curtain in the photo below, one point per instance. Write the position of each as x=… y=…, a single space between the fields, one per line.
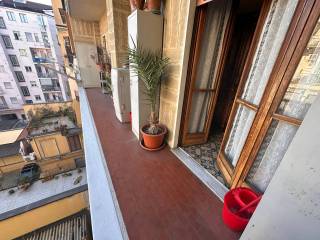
x=215 y=24
x=270 y=42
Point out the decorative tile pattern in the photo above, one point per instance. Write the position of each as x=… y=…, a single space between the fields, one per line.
x=206 y=155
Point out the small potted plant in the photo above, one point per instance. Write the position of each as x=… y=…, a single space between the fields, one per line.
x=149 y=66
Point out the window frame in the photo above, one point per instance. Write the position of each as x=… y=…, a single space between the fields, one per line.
x=16 y=59
x=23 y=17
x=74 y=143
x=37 y=97
x=305 y=18
x=19 y=75
x=5 y=84
x=15 y=102
x=5 y=38
x=25 y=93
x=31 y=36
x=2 y=23
x=18 y=34
x=11 y=16
x=28 y=67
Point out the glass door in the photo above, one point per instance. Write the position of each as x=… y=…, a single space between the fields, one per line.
x=272 y=106
x=202 y=83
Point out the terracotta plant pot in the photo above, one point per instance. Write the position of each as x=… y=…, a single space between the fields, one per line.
x=136 y=4
x=153 y=141
x=154 y=5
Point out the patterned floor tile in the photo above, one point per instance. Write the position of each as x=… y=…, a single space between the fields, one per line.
x=206 y=155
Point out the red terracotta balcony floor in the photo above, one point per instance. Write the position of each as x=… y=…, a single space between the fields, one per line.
x=158 y=196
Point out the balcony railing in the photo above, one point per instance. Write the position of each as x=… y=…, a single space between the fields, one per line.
x=41 y=59
x=49 y=88
x=3 y=106
x=47 y=75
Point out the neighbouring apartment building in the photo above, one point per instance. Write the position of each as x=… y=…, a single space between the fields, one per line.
x=240 y=99
x=29 y=57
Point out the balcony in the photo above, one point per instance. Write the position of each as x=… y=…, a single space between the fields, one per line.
x=37 y=59
x=47 y=75
x=50 y=88
x=4 y=107
x=138 y=194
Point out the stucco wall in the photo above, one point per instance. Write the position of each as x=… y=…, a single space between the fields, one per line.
x=290 y=206
x=42 y=216
x=11 y=163
x=178 y=22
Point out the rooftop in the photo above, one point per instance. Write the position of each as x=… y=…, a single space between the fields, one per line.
x=27 y=6
x=7 y=137
x=75 y=227
x=158 y=196
x=40 y=193
x=12 y=124
x=52 y=124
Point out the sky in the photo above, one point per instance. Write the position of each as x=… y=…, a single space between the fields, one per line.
x=47 y=2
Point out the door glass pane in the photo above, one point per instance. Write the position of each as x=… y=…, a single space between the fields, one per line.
x=271 y=152
x=199 y=111
x=239 y=132
x=216 y=18
x=217 y=14
x=272 y=36
x=305 y=84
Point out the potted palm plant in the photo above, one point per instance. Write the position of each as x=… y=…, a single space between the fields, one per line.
x=149 y=66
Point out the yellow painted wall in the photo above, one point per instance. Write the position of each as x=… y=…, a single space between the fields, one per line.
x=24 y=223
x=50 y=145
x=13 y=163
x=178 y=22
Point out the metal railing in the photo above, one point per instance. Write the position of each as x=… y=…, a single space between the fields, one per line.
x=48 y=88
x=47 y=75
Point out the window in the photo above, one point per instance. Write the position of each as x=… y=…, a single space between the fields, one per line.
x=28 y=69
x=40 y=20
x=2 y=23
x=25 y=91
x=2 y=69
x=14 y=60
x=29 y=101
x=29 y=37
x=19 y=76
x=74 y=143
x=37 y=97
x=11 y=16
x=36 y=37
x=17 y=35
x=14 y=100
x=23 y=52
x=7 y=85
x=23 y=17
x=33 y=83
x=7 y=41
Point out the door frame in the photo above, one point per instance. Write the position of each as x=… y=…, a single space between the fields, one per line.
x=197 y=33
x=297 y=37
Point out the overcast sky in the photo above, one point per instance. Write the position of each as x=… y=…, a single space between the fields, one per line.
x=47 y=2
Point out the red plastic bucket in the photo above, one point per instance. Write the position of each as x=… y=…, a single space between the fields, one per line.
x=235 y=200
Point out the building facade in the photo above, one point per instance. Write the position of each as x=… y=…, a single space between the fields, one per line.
x=30 y=55
x=241 y=87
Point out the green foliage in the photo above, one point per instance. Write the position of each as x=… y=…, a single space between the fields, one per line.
x=39 y=114
x=149 y=66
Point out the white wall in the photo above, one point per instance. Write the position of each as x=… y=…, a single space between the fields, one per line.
x=290 y=207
